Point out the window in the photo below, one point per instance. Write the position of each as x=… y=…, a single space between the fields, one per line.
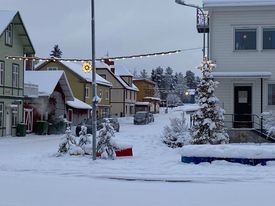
x=70 y=115
x=245 y=39
x=14 y=117
x=2 y=72
x=107 y=95
x=15 y=75
x=8 y=35
x=87 y=92
x=271 y=94
x=52 y=68
x=269 y=38
x=100 y=93
x=1 y=114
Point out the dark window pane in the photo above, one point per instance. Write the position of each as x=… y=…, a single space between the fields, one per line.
x=245 y=39
x=271 y=94
x=269 y=39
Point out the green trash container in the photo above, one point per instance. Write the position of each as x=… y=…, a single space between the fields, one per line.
x=21 y=130
x=41 y=128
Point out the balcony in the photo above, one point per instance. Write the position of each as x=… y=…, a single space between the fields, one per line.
x=202 y=22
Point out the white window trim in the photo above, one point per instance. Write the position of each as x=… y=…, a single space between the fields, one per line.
x=2 y=72
x=9 y=35
x=245 y=27
x=87 y=92
x=1 y=114
x=262 y=37
x=15 y=75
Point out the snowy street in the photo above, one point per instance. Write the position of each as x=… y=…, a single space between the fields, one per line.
x=31 y=174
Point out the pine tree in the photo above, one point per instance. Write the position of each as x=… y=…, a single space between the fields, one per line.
x=177 y=134
x=190 y=80
x=56 y=52
x=208 y=121
x=144 y=74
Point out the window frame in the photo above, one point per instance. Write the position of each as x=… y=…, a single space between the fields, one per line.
x=2 y=73
x=263 y=42
x=52 y=68
x=15 y=75
x=87 y=92
x=14 y=116
x=9 y=35
x=1 y=114
x=243 y=29
x=107 y=95
x=270 y=102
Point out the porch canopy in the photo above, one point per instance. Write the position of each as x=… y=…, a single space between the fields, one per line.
x=263 y=75
x=78 y=104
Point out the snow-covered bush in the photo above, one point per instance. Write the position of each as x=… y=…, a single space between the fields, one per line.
x=106 y=146
x=177 y=134
x=84 y=141
x=269 y=123
x=208 y=121
x=67 y=141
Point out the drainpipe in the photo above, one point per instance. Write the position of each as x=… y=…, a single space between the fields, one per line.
x=261 y=104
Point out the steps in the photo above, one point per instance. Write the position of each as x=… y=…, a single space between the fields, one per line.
x=244 y=135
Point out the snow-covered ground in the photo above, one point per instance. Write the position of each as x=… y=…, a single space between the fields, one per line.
x=31 y=174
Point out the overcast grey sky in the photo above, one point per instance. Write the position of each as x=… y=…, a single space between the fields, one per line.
x=123 y=27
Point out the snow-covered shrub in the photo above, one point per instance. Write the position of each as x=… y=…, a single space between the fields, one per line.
x=208 y=121
x=84 y=141
x=106 y=146
x=177 y=134
x=269 y=123
x=67 y=141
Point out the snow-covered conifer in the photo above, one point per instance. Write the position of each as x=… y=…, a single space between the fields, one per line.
x=106 y=146
x=269 y=123
x=208 y=121
x=67 y=140
x=177 y=134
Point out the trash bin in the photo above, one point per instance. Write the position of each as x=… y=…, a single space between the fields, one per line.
x=41 y=127
x=21 y=130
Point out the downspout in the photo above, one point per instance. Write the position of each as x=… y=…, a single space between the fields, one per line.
x=261 y=104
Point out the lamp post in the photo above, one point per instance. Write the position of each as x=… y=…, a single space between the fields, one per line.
x=182 y=2
x=94 y=99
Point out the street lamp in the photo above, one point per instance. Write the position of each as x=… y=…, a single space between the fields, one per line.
x=182 y=2
x=94 y=100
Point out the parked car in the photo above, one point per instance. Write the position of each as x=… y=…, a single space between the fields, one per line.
x=141 y=118
x=88 y=123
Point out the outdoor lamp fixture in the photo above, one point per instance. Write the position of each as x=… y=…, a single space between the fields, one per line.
x=182 y=2
x=94 y=106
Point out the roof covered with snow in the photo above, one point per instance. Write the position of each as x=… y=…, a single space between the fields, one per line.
x=77 y=68
x=124 y=84
x=7 y=17
x=227 y=3
x=122 y=71
x=242 y=74
x=47 y=81
x=78 y=104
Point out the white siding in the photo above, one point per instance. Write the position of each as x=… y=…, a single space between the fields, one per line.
x=222 y=26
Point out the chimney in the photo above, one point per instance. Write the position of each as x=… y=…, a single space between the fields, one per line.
x=111 y=64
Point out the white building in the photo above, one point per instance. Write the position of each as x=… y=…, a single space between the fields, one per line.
x=242 y=43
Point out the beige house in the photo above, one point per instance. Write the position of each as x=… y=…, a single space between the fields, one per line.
x=123 y=91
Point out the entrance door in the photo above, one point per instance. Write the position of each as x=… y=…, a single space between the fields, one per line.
x=8 y=121
x=242 y=107
x=28 y=119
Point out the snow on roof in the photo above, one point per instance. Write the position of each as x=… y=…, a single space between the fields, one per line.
x=226 y=3
x=242 y=74
x=47 y=81
x=133 y=87
x=78 y=104
x=122 y=71
x=77 y=68
x=6 y=18
x=142 y=103
x=152 y=98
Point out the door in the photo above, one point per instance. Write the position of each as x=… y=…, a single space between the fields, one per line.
x=28 y=119
x=8 y=121
x=242 y=107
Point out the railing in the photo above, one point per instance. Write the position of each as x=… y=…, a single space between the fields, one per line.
x=243 y=121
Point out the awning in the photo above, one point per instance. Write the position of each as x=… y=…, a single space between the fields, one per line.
x=78 y=104
x=265 y=75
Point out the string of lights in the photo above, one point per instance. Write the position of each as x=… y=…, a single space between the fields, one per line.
x=116 y=58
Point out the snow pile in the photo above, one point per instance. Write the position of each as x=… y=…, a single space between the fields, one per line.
x=208 y=121
x=230 y=151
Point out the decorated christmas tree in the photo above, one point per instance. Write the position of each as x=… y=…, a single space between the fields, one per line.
x=208 y=121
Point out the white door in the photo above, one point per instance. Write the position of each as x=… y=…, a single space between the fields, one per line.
x=8 y=121
x=28 y=119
